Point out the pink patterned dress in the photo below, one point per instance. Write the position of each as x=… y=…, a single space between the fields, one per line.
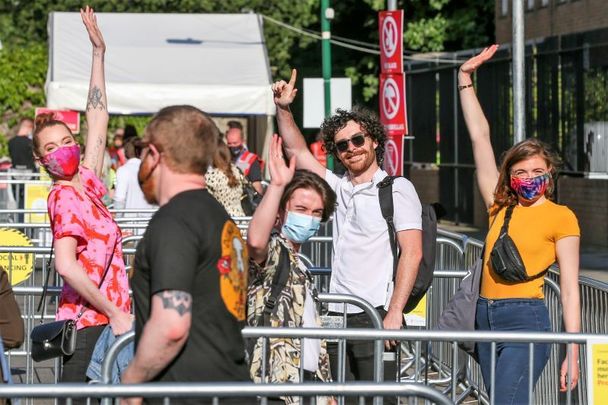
x=86 y=219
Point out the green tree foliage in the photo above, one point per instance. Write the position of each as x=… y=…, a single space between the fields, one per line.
x=431 y=25
x=22 y=74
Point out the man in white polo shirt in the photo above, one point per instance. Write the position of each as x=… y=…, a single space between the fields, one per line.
x=362 y=262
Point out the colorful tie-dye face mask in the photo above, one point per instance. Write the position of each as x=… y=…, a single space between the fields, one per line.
x=530 y=189
x=62 y=163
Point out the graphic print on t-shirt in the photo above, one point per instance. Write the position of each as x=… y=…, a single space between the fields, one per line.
x=232 y=267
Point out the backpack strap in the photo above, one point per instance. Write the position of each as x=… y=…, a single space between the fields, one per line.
x=279 y=281
x=385 y=195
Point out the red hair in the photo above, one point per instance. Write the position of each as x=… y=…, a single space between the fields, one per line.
x=42 y=122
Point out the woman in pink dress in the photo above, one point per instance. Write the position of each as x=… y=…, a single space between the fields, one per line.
x=87 y=241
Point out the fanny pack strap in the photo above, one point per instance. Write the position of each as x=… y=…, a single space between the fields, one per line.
x=505 y=225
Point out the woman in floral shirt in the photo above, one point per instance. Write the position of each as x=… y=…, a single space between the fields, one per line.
x=293 y=206
x=87 y=241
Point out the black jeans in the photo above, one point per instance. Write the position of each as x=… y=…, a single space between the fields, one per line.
x=75 y=366
x=359 y=360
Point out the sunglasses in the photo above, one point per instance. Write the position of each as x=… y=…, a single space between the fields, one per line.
x=357 y=140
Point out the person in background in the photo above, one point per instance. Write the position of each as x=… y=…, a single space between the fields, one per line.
x=246 y=161
x=289 y=214
x=128 y=194
x=87 y=241
x=116 y=151
x=318 y=150
x=20 y=146
x=22 y=159
x=225 y=181
x=543 y=232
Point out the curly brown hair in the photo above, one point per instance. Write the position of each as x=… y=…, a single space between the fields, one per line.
x=504 y=195
x=368 y=121
x=309 y=180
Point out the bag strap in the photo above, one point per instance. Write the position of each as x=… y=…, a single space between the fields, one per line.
x=42 y=302
x=505 y=225
x=279 y=281
x=385 y=195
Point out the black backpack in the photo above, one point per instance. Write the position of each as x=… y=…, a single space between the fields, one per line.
x=424 y=279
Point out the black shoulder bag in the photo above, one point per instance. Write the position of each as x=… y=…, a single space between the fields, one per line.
x=505 y=258
x=58 y=338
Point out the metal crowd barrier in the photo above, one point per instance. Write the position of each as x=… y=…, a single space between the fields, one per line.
x=452 y=337
x=222 y=390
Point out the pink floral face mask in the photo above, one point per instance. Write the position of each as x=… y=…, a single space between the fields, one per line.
x=62 y=163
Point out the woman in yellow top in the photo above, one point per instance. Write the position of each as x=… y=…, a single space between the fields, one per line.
x=543 y=232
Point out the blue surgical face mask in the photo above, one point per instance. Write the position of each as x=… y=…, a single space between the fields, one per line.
x=299 y=228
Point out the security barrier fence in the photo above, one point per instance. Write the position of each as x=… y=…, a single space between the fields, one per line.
x=435 y=362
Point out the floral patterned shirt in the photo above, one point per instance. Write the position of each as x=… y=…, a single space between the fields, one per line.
x=283 y=363
x=86 y=219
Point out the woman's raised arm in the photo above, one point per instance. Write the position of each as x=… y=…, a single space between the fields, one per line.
x=477 y=125
x=97 y=104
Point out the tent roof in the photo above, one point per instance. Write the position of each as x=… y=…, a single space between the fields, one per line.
x=216 y=62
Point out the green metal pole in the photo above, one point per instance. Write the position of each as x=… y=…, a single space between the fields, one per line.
x=326 y=58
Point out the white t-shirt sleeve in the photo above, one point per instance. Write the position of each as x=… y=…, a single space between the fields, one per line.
x=120 y=193
x=408 y=210
x=332 y=179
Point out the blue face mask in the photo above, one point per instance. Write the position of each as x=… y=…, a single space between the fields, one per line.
x=299 y=228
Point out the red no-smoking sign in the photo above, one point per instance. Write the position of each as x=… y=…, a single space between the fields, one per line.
x=393 y=155
x=392 y=103
x=391 y=41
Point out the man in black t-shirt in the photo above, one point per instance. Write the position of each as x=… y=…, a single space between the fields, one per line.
x=190 y=272
x=20 y=147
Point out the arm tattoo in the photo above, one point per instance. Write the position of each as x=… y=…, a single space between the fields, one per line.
x=95 y=99
x=179 y=300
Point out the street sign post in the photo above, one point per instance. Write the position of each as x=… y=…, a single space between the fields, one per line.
x=392 y=88
x=392 y=104
x=391 y=41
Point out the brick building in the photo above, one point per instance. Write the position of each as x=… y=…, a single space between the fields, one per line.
x=547 y=18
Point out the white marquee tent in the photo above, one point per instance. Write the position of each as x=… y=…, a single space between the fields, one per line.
x=217 y=62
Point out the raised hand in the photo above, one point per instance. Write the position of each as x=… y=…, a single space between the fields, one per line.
x=280 y=173
x=476 y=61
x=283 y=92
x=90 y=22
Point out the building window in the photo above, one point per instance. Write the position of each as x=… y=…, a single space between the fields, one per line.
x=504 y=8
x=544 y=3
x=530 y=4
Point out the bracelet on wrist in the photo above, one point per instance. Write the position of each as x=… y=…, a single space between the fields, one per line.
x=466 y=86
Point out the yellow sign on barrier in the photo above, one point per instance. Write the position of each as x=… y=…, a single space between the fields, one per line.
x=597 y=371
x=19 y=266
x=35 y=198
x=417 y=317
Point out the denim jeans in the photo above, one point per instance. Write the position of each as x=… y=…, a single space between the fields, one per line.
x=512 y=359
